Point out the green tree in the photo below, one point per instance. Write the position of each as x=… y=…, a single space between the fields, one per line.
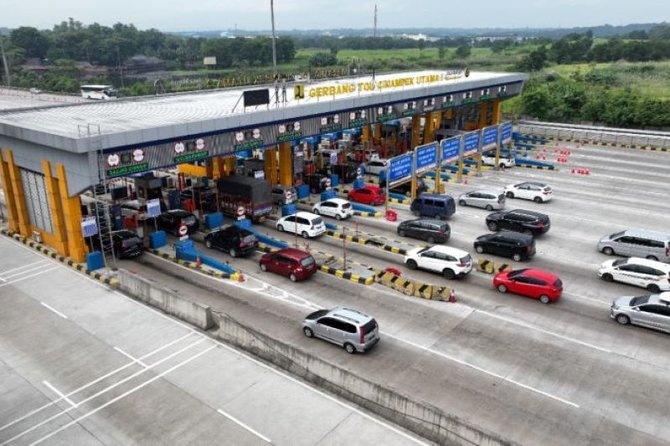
x=463 y=51
x=421 y=44
x=441 y=52
x=534 y=61
x=322 y=60
x=33 y=42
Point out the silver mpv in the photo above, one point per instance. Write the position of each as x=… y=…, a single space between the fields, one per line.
x=651 y=311
x=486 y=199
x=351 y=329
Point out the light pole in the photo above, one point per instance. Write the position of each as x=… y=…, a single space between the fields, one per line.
x=274 y=46
x=4 y=62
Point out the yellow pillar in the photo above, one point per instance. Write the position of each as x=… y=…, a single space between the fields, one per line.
x=270 y=158
x=416 y=131
x=459 y=174
x=496 y=111
x=366 y=133
x=10 y=200
x=483 y=114
x=71 y=218
x=450 y=113
x=285 y=164
x=378 y=134
x=438 y=120
x=19 y=197
x=429 y=128
x=229 y=165
x=56 y=209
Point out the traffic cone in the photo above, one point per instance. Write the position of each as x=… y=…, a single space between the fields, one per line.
x=452 y=296
x=240 y=277
x=465 y=180
x=198 y=262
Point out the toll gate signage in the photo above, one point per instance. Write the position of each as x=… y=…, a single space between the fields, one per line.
x=426 y=157
x=506 y=132
x=400 y=168
x=489 y=137
x=471 y=142
x=450 y=148
x=153 y=208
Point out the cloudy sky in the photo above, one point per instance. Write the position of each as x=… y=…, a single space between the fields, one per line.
x=170 y=15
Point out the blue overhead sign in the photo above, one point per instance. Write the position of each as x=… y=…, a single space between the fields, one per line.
x=490 y=137
x=506 y=132
x=400 y=168
x=450 y=149
x=426 y=157
x=471 y=142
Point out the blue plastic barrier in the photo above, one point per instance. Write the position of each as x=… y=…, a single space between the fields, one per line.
x=94 y=260
x=214 y=220
x=359 y=182
x=268 y=240
x=526 y=138
x=332 y=226
x=443 y=176
x=363 y=208
x=399 y=196
x=328 y=194
x=185 y=250
x=157 y=239
x=245 y=223
x=288 y=209
x=534 y=163
x=334 y=180
x=303 y=191
x=216 y=264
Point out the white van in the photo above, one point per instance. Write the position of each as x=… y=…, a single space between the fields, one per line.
x=306 y=224
x=649 y=274
x=637 y=243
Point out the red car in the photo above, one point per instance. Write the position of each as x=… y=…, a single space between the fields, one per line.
x=290 y=262
x=533 y=283
x=368 y=194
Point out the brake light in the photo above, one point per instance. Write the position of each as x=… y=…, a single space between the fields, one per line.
x=528 y=249
x=540 y=225
x=361 y=334
x=462 y=265
x=545 y=192
x=242 y=244
x=667 y=251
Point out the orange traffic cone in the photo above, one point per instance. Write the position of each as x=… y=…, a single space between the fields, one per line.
x=452 y=296
x=198 y=262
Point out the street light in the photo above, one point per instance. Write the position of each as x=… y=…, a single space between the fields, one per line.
x=274 y=46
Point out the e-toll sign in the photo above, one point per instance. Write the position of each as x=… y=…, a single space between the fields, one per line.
x=489 y=137
x=471 y=142
x=400 y=168
x=506 y=132
x=426 y=157
x=450 y=148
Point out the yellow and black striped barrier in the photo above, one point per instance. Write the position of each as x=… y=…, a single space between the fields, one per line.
x=347 y=275
x=490 y=267
x=414 y=288
x=196 y=267
x=347 y=237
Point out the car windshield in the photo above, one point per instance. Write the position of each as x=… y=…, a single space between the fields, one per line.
x=617 y=235
x=639 y=300
x=346 y=205
x=370 y=326
x=317 y=314
x=558 y=284
x=190 y=220
x=249 y=238
x=466 y=259
x=307 y=261
x=517 y=272
x=619 y=262
x=317 y=221
x=421 y=251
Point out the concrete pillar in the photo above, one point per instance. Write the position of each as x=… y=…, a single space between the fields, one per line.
x=496 y=111
x=270 y=158
x=429 y=128
x=56 y=210
x=285 y=164
x=71 y=218
x=19 y=196
x=365 y=135
x=10 y=196
x=416 y=131
x=483 y=114
x=377 y=134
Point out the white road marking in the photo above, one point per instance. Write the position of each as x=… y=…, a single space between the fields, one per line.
x=20 y=273
x=105 y=390
x=129 y=356
x=259 y=435
x=61 y=396
x=54 y=310
x=28 y=277
x=123 y=395
x=24 y=266
x=97 y=380
x=487 y=372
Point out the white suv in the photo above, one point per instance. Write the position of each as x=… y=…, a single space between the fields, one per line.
x=649 y=274
x=338 y=208
x=451 y=262
x=529 y=190
x=304 y=223
x=489 y=159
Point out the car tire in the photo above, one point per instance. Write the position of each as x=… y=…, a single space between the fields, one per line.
x=411 y=264
x=479 y=249
x=263 y=267
x=653 y=288
x=305 y=234
x=461 y=203
x=493 y=226
x=293 y=277
x=338 y=217
x=308 y=332
x=489 y=207
x=608 y=251
x=510 y=194
x=316 y=211
x=431 y=240
x=208 y=243
x=537 y=199
x=654 y=258
x=401 y=233
x=349 y=348
x=607 y=277
x=502 y=288
x=545 y=299
x=517 y=257
x=234 y=253
x=280 y=228
x=448 y=274
x=622 y=319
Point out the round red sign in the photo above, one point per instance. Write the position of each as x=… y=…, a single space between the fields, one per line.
x=183 y=230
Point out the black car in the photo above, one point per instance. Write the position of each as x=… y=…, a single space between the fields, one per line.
x=233 y=240
x=507 y=244
x=406 y=188
x=126 y=244
x=170 y=221
x=317 y=182
x=519 y=220
x=346 y=172
x=432 y=231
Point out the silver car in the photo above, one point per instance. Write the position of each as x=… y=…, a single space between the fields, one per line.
x=351 y=329
x=486 y=199
x=651 y=310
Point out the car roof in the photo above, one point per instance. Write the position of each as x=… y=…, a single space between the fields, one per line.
x=369 y=187
x=304 y=214
x=535 y=183
x=430 y=220
x=512 y=235
x=526 y=212
x=540 y=274
x=125 y=233
x=646 y=233
x=296 y=254
x=448 y=250
x=351 y=314
x=337 y=200
x=179 y=212
x=487 y=191
x=651 y=263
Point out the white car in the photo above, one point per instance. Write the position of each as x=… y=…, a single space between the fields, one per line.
x=450 y=262
x=649 y=274
x=337 y=208
x=374 y=167
x=503 y=161
x=306 y=224
x=370 y=155
x=529 y=190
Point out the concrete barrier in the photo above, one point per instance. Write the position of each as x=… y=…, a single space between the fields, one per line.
x=168 y=301
x=420 y=417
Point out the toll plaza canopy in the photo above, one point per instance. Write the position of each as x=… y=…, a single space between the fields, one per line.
x=133 y=135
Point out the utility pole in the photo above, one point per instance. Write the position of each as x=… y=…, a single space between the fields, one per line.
x=374 y=29
x=274 y=46
x=4 y=62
